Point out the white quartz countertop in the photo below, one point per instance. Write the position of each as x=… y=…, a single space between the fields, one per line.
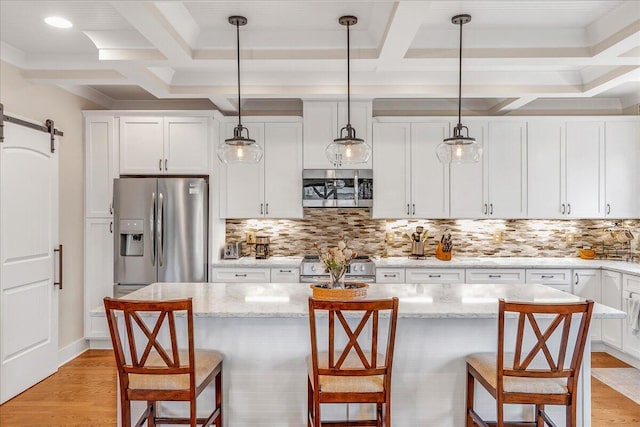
x=271 y=262
x=416 y=300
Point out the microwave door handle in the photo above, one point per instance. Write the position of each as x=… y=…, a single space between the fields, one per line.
x=160 y=225
x=356 y=188
x=152 y=226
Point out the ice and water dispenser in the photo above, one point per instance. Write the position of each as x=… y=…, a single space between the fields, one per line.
x=131 y=237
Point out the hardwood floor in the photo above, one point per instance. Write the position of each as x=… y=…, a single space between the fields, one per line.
x=83 y=393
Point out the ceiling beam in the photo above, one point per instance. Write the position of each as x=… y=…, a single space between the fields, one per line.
x=154 y=26
x=144 y=78
x=91 y=94
x=510 y=104
x=611 y=79
x=406 y=19
x=224 y=104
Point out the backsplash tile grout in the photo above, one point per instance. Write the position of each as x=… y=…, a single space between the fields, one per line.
x=485 y=237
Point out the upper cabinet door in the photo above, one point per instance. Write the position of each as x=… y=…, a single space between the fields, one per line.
x=186 y=147
x=320 y=129
x=100 y=166
x=545 y=169
x=429 y=177
x=245 y=181
x=283 y=170
x=468 y=183
x=622 y=174
x=507 y=169
x=361 y=114
x=392 y=170
x=141 y=145
x=585 y=169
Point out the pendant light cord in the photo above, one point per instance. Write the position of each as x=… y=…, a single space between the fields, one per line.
x=348 y=78
x=238 y=61
x=460 y=80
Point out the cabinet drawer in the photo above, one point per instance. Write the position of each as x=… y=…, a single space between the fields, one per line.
x=549 y=276
x=434 y=275
x=631 y=283
x=503 y=275
x=389 y=275
x=285 y=275
x=239 y=275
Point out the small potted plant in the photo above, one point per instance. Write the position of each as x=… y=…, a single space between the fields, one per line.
x=336 y=261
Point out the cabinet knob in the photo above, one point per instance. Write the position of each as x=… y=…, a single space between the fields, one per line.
x=491 y=209
x=166 y=163
x=485 y=209
x=562 y=211
x=608 y=209
x=568 y=208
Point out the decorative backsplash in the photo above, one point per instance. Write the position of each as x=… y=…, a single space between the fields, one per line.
x=486 y=237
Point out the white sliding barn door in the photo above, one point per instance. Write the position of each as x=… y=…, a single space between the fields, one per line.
x=28 y=235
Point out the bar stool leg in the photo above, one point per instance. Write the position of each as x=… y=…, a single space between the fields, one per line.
x=470 y=383
x=387 y=412
x=218 y=386
x=151 y=418
x=539 y=419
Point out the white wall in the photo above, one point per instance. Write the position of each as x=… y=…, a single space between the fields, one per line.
x=39 y=102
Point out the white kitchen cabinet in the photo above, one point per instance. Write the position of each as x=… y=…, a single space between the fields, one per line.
x=435 y=275
x=495 y=187
x=390 y=275
x=164 y=145
x=512 y=276
x=558 y=278
x=565 y=163
x=98 y=272
x=322 y=123
x=630 y=290
x=585 y=169
x=429 y=177
x=392 y=170
x=587 y=284
x=240 y=275
x=468 y=183
x=101 y=165
x=612 y=297
x=271 y=188
x=622 y=175
x=285 y=275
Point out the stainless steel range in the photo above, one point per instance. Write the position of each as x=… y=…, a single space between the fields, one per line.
x=361 y=269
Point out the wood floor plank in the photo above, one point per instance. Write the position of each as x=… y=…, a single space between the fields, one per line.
x=83 y=393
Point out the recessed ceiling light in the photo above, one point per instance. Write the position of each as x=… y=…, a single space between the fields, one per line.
x=58 y=22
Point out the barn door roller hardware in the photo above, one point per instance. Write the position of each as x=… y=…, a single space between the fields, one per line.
x=48 y=127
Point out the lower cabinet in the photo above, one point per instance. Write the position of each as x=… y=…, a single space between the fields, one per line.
x=285 y=275
x=434 y=275
x=587 y=284
x=390 y=275
x=630 y=291
x=98 y=273
x=240 y=275
x=558 y=278
x=513 y=276
x=612 y=297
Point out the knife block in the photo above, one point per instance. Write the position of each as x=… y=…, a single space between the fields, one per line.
x=441 y=255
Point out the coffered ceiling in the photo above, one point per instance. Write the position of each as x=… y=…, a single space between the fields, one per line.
x=519 y=55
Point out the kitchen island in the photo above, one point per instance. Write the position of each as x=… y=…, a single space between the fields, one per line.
x=263 y=331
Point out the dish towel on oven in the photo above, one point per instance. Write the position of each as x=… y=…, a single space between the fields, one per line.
x=634 y=314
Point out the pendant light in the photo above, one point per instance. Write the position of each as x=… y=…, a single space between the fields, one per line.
x=239 y=148
x=348 y=149
x=459 y=148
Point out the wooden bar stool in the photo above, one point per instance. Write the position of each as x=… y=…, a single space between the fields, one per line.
x=351 y=374
x=151 y=372
x=510 y=378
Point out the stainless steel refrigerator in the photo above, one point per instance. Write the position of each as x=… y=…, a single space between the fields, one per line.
x=160 y=230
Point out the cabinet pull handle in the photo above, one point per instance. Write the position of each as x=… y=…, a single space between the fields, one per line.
x=568 y=208
x=111 y=208
x=491 y=209
x=408 y=212
x=414 y=209
x=240 y=275
x=285 y=271
x=166 y=162
x=577 y=279
x=547 y=276
x=111 y=227
x=266 y=209
x=59 y=249
x=495 y=276
x=160 y=164
x=434 y=275
x=562 y=210
x=608 y=208
x=390 y=275
x=261 y=208
x=485 y=209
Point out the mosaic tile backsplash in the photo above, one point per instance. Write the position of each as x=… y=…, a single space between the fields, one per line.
x=471 y=238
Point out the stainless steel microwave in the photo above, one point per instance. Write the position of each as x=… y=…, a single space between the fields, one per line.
x=337 y=188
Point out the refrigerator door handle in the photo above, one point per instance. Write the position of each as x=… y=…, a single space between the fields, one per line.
x=160 y=229
x=152 y=221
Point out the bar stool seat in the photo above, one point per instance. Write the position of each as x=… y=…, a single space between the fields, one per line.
x=347 y=384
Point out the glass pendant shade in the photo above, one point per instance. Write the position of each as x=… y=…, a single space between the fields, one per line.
x=240 y=149
x=348 y=149
x=459 y=148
